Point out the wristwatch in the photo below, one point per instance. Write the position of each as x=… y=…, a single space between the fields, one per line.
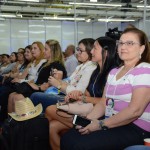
x=102 y=125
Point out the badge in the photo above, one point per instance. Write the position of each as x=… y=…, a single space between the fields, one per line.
x=109 y=107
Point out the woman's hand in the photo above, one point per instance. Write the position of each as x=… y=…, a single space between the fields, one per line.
x=54 y=82
x=15 y=80
x=57 y=74
x=44 y=86
x=75 y=95
x=94 y=126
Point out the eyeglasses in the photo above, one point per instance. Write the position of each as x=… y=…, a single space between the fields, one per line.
x=127 y=43
x=79 y=50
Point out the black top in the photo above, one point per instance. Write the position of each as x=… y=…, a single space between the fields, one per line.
x=44 y=73
x=94 y=87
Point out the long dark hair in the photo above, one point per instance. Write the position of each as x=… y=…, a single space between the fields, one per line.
x=109 y=61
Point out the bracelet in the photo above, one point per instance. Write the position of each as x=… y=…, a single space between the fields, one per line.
x=40 y=89
x=59 y=87
x=84 y=99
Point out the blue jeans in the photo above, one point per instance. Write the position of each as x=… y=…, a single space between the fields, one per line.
x=138 y=147
x=45 y=99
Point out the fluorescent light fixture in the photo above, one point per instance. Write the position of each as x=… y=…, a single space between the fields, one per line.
x=96 y=4
x=115 y=20
x=29 y=0
x=141 y=1
x=64 y=18
x=8 y=15
x=88 y=20
x=19 y=15
x=141 y=6
x=93 y=0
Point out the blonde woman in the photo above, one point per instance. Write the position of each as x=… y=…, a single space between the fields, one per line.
x=53 y=55
x=32 y=71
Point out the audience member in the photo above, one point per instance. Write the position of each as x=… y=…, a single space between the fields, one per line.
x=6 y=62
x=125 y=102
x=11 y=65
x=30 y=74
x=104 y=54
x=78 y=80
x=71 y=61
x=54 y=57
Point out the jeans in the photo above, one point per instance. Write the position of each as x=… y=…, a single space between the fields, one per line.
x=45 y=99
x=138 y=147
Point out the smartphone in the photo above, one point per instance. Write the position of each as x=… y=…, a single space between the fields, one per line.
x=71 y=100
x=78 y=120
x=52 y=72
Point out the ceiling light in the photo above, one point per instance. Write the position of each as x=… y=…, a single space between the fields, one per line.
x=93 y=0
x=141 y=6
x=64 y=18
x=96 y=4
x=8 y=15
x=88 y=20
x=141 y=1
x=116 y=20
x=29 y=0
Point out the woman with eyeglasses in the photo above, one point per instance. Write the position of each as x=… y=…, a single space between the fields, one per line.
x=125 y=103
x=78 y=80
x=104 y=54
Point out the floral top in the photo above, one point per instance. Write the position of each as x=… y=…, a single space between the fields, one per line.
x=79 y=79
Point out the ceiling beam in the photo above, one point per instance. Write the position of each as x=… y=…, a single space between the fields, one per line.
x=78 y=11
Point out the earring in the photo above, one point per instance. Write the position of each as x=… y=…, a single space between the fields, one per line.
x=139 y=55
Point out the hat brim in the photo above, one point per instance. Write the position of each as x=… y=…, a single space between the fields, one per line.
x=38 y=111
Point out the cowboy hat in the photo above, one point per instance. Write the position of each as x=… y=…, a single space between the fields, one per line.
x=24 y=110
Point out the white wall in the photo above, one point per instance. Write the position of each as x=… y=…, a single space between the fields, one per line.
x=20 y=33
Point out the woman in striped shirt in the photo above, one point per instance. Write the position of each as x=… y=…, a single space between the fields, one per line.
x=125 y=103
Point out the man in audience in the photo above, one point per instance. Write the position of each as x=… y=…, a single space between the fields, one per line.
x=71 y=61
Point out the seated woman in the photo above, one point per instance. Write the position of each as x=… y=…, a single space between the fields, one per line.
x=6 y=62
x=78 y=80
x=54 y=57
x=13 y=60
x=30 y=73
x=20 y=69
x=125 y=102
x=103 y=53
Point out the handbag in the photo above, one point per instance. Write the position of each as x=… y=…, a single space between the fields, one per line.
x=76 y=108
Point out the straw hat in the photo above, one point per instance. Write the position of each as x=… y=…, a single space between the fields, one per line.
x=24 y=110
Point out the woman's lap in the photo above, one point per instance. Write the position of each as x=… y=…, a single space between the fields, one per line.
x=112 y=139
x=45 y=99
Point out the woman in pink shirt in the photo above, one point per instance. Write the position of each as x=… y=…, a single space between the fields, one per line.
x=125 y=105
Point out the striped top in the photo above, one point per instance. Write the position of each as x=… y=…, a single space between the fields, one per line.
x=121 y=90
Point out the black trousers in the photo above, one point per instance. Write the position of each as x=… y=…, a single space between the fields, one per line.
x=4 y=94
x=112 y=139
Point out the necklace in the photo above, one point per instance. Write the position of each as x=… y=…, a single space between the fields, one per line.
x=117 y=81
x=94 y=84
